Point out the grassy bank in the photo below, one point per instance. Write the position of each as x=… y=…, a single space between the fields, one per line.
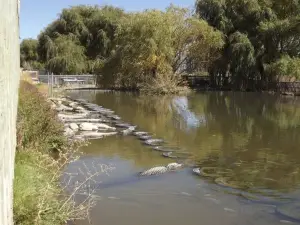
x=38 y=196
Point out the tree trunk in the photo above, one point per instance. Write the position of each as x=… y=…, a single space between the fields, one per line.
x=9 y=83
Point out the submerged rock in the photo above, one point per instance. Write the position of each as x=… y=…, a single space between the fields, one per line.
x=197 y=171
x=153 y=142
x=144 y=138
x=155 y=171
x=128 y=131
x=169 y=155
x=174 y=166
x=161 y=169
x=114 y=117
x=207 y=172
x=176 y=155
x=123 y=125
x=140 y=133
x=105 y=111
x=104 y=126
x=163 y=149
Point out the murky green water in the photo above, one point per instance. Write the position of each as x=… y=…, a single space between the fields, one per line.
x=249 y=144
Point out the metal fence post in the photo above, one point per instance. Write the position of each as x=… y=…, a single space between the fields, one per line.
x=52 y=85
x=48 y=82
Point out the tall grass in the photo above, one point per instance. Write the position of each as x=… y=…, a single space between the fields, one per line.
x=39 y=197
x=37 y=124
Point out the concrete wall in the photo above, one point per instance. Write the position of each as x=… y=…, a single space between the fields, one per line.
x=9 y=84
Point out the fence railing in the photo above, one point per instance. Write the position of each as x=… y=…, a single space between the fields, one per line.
x=67 y=81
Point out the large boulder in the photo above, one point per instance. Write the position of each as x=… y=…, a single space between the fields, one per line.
x=84 y=120
x=128 y=131
x=95 y=135
x=73 y=104
x=104 y=126
x=72 y=116
x=68 y=132
x=74 y=126
x=80 y=108
x=62 y=108
x=88 y=126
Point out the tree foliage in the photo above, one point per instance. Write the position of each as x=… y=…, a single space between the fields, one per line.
x=154 y=48
x=239 y=43
x=129 y=50
x=285 y=69
x=271 y=28
x=67 y=56
x=84 y=32
x=28 y=54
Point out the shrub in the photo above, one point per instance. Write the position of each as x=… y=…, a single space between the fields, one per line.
x=284 y=68
x=37 y=124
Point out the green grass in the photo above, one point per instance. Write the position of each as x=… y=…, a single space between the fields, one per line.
x=35 y=191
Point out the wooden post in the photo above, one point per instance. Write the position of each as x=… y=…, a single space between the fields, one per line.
x=9 y=84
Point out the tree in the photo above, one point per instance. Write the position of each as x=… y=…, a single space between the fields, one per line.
x=90 y=30
x=28 y=51
x=9 y=83
x=29 y=55
x=66 y=56
x=260 y=31
x=154 y=48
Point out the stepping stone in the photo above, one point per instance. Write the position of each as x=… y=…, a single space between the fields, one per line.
x=153 y=142
x=144 y=138
x=140 y=133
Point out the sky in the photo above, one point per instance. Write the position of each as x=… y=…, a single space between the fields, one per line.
x=37 y=14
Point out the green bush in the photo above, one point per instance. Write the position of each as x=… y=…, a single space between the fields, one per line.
x=37 y=124
x=34 y=191
x=285 y=67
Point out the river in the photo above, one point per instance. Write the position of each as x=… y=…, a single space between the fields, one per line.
x=248 y=143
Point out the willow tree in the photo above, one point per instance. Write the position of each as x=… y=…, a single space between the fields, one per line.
x=90 y=30
x=67 y=56
x=268 y=30
x=9 y=83
x=29 y=55
x=154 y=48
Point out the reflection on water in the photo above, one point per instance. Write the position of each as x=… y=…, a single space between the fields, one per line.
x=245 y=141
x=190 y=119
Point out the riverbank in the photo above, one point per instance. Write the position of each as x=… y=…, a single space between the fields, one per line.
x=187 y=92
x=42 y=153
